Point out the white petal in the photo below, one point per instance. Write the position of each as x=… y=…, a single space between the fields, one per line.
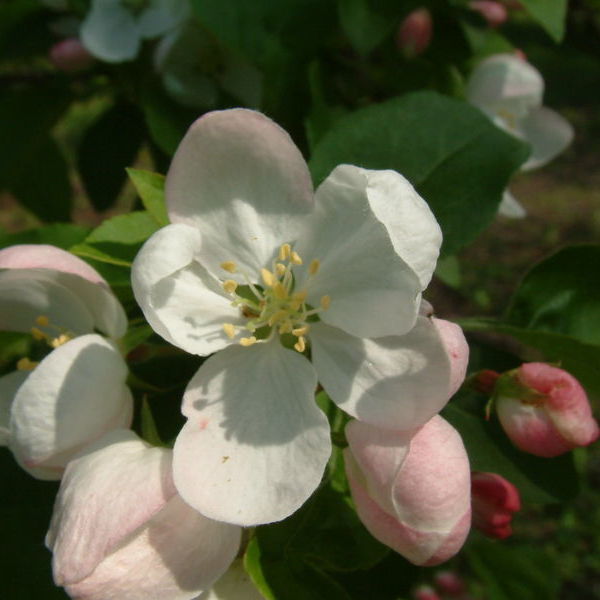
x=504 y=82
x=511 y=207
x=71 y=398
x=9 y=384
x=373 y=291
x=415 y=234
x=106 y=494
x=396 y=382
x=110 y=31
x=234 y=585
x=548 y=133
x=255 y=444
x=240 y=180
x=180 y=299
x=69 y=301
x=44 y=256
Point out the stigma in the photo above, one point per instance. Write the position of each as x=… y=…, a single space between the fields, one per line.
x=277 y=307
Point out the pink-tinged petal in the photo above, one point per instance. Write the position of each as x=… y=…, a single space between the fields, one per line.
x=255 y=445
x=566 y=402
x=44 y=256
x=457 y=348
x=9 y=384
x=359 y=266
x=426 y=516
x=396 y=382
x=239 y=179
x=548 y=133
x=71 y=398
x=494 y=501
x=510 y=207
x=120 y=531
x=112 y=489
x=182 y=302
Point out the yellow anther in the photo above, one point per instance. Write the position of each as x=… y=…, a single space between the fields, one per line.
x=286 y=327
x=229 y=330
x=25 y=364
x=38 y=334
x=285 y=251
x=280 y=269
x=43 y=321
x=63 y=338
x=280 y=314
x=280 y=291
x=229 y=266
x=298 y=300
x=314 y=266
x=229 y=285
x=300 y=345
x=295 y=258
x=268 y=277
x=300 y=330
x=325 y=302
x=248 y=341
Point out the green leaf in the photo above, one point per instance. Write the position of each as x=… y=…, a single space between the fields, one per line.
x=539 y=480
x=561 y=294
x=151 y=189
x=63 y=235
x=135 y=336
x=365 y=28
x=108 y=146
x=550 y=14
x=509 y=571
x=148 y=426
x=448 y=270
x=31 y=165
x=118 y=240
x=580 y=359
x=454 y=156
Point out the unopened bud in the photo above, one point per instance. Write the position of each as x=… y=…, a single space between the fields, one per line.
x=493 y=12
x=70 y=55
x=494 y=500
x=449 y=583
x=425 y=592
x=415 y=32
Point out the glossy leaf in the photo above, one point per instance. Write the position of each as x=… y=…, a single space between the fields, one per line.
x=151 y=189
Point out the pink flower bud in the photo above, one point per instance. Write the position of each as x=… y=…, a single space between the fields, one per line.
x=70 y=55
x=415 y=32
x=544 y=410
x=425 y=592
x=494 y=501
x=493 y=12
x=484 y=381
x=449 y=582
x=411 y=488
x=457 y=348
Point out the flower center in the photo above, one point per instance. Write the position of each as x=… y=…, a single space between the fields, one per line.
x=59 y=337
x=508 y=117
x=275 y=306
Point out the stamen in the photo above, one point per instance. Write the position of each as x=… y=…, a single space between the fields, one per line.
x=300 y=345
x=280 y=314
x=43 y=321
x=63 y=338
x=285 y=251
x=280 y=291
x=280 y=269
x=268 y=277
x=229 y=285
x=248 y=341
x=24 y=364
x=286 y=327
x=325 y=302
x=295 y=258
x=229 y=266
x=229 y=330
x=300 y=331
x=314 y=266
x=38 y=334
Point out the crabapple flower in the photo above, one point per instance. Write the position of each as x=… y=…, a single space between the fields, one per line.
x=70 y=56
x=120 y=531
x=415 y=32
x=113 y=30
x=494 y=13
x=258 y=268
x=509 y=91
x=411 y=489
x=544 y=410
x=73 y=390
x=494 y=500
